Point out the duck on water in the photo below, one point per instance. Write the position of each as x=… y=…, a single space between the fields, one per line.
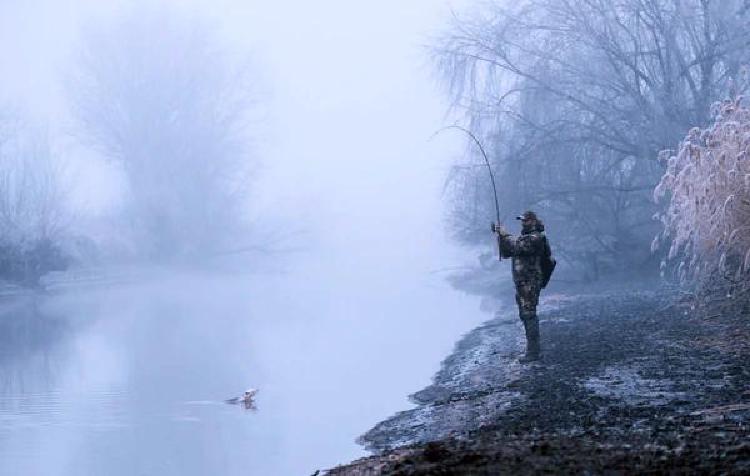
x=247 y=399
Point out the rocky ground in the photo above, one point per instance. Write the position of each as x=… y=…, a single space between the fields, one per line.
x=631 y=382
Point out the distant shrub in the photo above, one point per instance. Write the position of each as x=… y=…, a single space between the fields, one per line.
x=707 y=221
x=25 y=264
x=33 y=216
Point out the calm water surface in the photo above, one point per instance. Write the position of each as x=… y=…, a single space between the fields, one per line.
x=130 y=379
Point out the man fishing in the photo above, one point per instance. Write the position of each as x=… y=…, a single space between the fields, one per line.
x=532 y=259
x=532 y=267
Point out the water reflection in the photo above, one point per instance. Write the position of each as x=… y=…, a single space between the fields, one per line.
x=30 y=347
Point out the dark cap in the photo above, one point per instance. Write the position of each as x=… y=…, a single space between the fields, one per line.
x=527 y=215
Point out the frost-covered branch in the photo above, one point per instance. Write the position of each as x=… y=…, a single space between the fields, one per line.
x=707 y=188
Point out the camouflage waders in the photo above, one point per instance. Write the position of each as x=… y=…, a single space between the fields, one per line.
x=527 y=251
x=527 y=298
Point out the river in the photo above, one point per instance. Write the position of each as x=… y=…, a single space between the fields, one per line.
x=130 y=379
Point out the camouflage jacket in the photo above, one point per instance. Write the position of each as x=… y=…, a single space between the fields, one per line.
x=527 y=251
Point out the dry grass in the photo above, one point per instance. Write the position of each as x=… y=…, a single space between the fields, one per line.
x=707 y=221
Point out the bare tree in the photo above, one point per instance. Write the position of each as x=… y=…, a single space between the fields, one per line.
x=156 y=92
x=579 y=97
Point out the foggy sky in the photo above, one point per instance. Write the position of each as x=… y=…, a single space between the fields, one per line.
x=349 y=104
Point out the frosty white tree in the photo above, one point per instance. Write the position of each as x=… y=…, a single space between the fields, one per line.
x=156 y=92
x=707 y=221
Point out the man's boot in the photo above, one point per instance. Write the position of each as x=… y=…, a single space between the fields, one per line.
x=531 y=326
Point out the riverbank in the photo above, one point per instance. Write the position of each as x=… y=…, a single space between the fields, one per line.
x=632 y=381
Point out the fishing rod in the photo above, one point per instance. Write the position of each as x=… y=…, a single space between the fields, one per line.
x=489 y=169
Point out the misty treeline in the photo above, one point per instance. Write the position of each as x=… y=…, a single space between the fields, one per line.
x=159 y=97
x=576 y=99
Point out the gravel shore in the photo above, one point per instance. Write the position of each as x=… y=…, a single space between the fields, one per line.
x=631 y=381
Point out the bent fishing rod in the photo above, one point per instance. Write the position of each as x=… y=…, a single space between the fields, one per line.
x=489 y=169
